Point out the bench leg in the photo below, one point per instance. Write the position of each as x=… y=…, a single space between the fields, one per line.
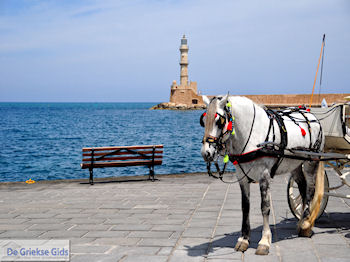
x=151 y=173
x=91 y=180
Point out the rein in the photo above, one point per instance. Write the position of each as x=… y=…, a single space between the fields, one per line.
x=221 y=145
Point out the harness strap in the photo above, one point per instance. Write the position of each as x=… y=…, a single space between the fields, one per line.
x=283 y=131
x=284 y=139
x=251 y=129
x=270 y=115
x=308 y=127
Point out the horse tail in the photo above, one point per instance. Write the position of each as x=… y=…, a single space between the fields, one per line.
x=305 y=225
x=319 y=191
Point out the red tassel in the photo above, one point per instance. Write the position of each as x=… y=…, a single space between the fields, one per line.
x=300 y=107
x=235 y=162
x=303 y=133
x=204 y=114
x=308 y=109
x=216 y=115
x=229 y=126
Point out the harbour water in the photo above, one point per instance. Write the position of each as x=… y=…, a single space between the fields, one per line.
x=43 y=141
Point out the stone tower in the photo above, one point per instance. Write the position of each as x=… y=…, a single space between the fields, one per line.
x=184 y=62
x=186 y=92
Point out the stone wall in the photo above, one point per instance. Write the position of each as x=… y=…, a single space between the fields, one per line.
x=183 y=98
x=297 y=99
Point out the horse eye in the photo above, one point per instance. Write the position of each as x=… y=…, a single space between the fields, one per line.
x=221 y=122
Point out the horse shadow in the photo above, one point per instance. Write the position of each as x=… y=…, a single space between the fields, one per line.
x=331 y=223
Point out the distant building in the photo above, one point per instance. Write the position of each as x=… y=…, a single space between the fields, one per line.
x=186 y=92
x=185 y=95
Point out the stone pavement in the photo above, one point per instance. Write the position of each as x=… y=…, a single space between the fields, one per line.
x=177 y=218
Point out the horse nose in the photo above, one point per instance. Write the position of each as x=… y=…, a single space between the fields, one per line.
x=207 y=154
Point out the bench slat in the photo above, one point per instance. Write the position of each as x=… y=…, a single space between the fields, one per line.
x=111 y=153
x=122 y=158
x=85 y=149
x=121 y=164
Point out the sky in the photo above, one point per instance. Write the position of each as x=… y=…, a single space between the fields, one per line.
x=128 y=50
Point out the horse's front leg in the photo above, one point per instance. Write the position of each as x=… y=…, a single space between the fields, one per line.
x=243 y=241
x=265 y=242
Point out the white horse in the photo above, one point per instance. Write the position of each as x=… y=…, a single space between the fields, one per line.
x=252 y=126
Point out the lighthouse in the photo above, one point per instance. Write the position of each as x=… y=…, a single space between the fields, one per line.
x=184 y=62
x=184 y=95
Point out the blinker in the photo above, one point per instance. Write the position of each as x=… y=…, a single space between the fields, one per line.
x=201 y=121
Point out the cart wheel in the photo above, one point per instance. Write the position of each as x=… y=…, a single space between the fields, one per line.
x=295 y=201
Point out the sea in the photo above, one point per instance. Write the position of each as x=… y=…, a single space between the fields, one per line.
x=44 y=141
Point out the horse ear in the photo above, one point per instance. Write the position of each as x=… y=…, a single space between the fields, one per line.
x=223 y=101
x=206 y=100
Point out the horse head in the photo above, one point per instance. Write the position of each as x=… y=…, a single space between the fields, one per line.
x=217 y=121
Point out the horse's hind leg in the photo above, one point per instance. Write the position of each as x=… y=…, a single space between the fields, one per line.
x=299 y=178
x=314 y=194
x=265 y=242
x=243 y=242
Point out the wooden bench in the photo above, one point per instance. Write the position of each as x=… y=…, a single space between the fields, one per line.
x=122 y=156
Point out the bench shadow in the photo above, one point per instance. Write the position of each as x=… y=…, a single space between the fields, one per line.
x=120 y=181
x=286 y=230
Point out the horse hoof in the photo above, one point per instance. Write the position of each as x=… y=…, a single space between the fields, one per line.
x=305 y=232
x=242 y=245
x=262 y=250
x=305 y=229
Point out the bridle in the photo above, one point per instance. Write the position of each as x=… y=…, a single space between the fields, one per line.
x=219 y=142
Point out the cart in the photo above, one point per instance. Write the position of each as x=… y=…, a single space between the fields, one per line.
x=335 y=125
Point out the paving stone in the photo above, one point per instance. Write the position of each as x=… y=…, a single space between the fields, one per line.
x=334 y=259
x=46 y=227
x=20 y=234
x=77 y=241
x=131 y=227
x=89 y=249
x=86 y=221
x=306 y=255
x=150 y=234
x=46 y=221
x=56 y=234
x=168 y=228
x=224 y=253
x=158 y=242
x=136 y=250
x=166 y=222
x=198 y=232
x=339 y=251
x=268 y=258
x=119 y=241
x=38 y=215
x=117 y=221
x=188 y=243
x=95 y=258
x=90 y=227
x=145 y=258
x=16 y=227
x=197 y=255
x=104 y=234
x=165 y=251
x=12 y=221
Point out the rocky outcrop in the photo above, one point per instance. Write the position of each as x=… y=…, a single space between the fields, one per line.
x=173 y=106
